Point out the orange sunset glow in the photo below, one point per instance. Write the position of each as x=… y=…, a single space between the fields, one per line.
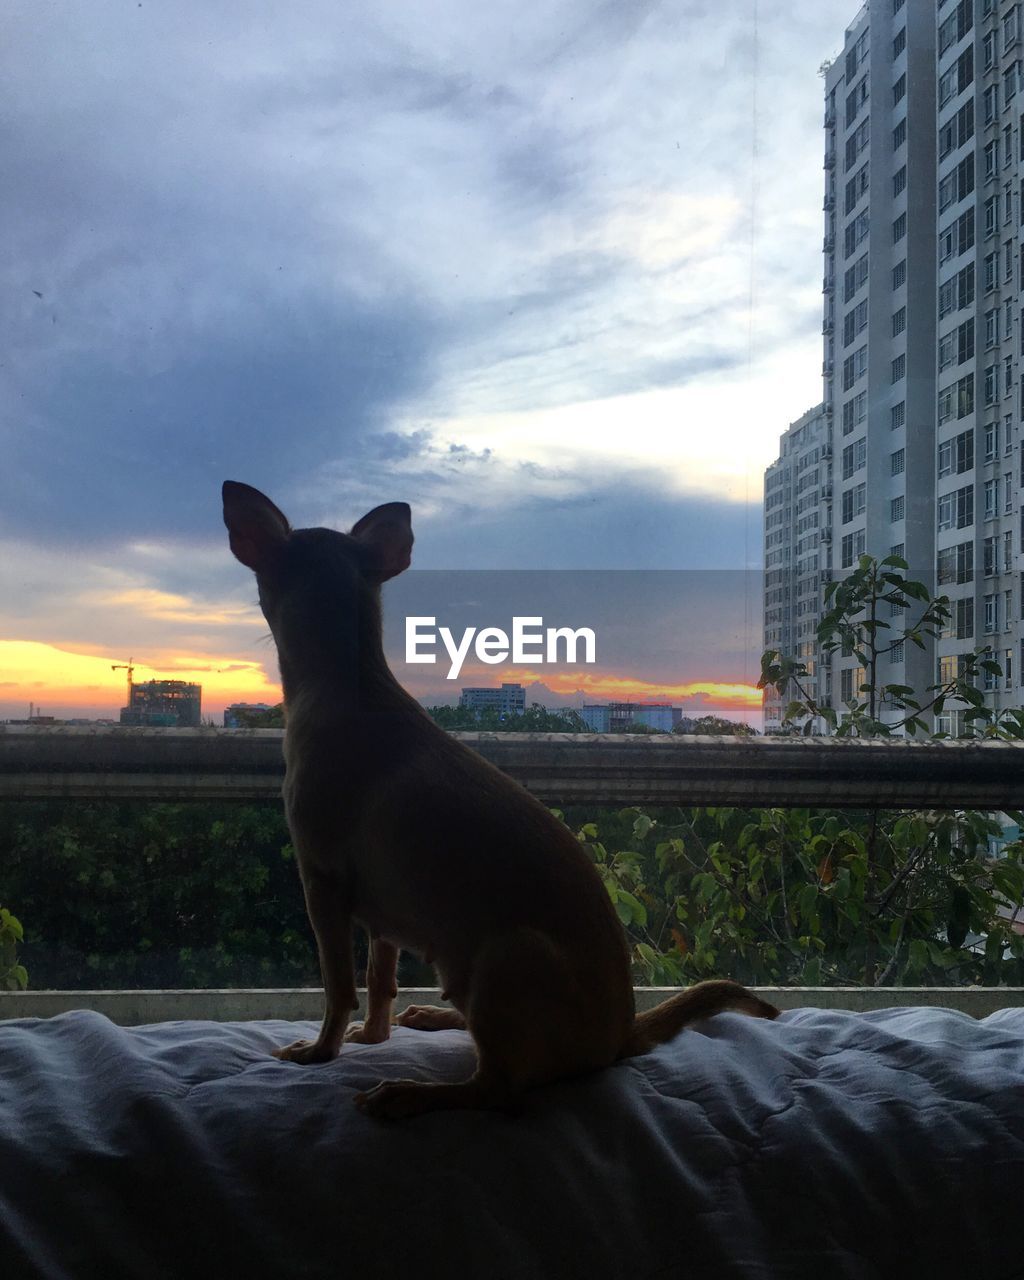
x=63 y=682
x=66 y=683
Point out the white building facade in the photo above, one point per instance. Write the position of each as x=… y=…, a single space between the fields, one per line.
x=922 y=323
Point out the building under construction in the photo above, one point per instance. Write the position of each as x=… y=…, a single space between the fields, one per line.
x=164 y=703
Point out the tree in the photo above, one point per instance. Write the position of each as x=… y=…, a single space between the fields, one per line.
x=796 y=896
x=716 y=726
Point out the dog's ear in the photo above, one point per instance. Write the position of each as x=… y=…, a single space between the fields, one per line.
x=257 y=530
x=387 y=533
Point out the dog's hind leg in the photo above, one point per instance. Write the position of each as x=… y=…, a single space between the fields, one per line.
x=381 y=990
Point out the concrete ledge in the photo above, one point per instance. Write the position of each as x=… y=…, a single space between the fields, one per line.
x=560 y=768
x=136 y=1008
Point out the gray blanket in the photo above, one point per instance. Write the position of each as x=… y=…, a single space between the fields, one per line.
x=824 y=1145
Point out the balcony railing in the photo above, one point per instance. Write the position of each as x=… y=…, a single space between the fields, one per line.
x=245 y=765
x=607 y=769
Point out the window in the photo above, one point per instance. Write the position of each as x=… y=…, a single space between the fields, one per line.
x=856 y=187
x=991 y=158
x=852 y=548
x=899 y=181
x=988 y=50
x=958 y=183
x=956 y=509
x=854 y=457
x=897 y=506
x=957 y=346
x=898 y=415
x=1010 y=29
x=899 y=228
x=957 y=293
x=899 y=321
x=899 y=43
x=856 y=232
x=1008 y=493
x=850 y=681
x=899 y=134
x=956 y=455
x=1008 y=551
x=855 y=277
x=855 y=367
x=990 y=103
x=899 y=90
x=992 y=327
x=855 y=99
x=853 y=502
x=991 y=613
x=855 y=322
x=956 y=26
x=957 y=237
x=991 y=215
x=957 y=78
x=899 y=368
x=956 y=564
x=991 y=498
x=991 y=270
x=899 y=274
x=957 y=399
x=856 y=142
x=991 y=441
x=989 y=561
x=854 y=412
x=991 y=384
x=957 y=130
x=897 y=462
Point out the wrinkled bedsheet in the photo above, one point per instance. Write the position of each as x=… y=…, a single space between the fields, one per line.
x=825 y=1144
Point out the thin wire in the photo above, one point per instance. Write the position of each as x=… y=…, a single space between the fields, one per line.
x=754 y=156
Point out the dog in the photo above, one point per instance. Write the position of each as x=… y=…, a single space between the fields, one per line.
x=400 y=828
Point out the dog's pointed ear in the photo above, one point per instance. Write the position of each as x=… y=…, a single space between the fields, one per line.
x=387 y=533
x=257 y=530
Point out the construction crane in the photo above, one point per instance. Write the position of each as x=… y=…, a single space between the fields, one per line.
x=130 y=667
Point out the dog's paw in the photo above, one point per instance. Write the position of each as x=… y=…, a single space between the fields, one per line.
x=431 y=1017
x=306 y=1052
x=360 y=1033
x=395 y=1100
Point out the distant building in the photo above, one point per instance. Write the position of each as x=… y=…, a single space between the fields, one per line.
x=596 y=717
x=798 y=505
x=614 y=717
x=231 y=720
x=509 y=700
x=164 y=703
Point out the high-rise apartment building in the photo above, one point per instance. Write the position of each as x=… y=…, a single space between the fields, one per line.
x=797 y=534
x=922 y=321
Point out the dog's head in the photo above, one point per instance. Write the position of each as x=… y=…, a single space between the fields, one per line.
x=293 y=565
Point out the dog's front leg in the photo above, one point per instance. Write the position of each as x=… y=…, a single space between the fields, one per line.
x=381 y=990
x=329 y=914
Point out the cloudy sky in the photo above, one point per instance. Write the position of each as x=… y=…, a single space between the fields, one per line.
x=549 y=273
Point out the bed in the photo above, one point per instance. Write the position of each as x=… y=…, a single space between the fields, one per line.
x=825 y=1144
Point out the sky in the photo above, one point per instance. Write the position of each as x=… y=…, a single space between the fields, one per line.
x=551 y=274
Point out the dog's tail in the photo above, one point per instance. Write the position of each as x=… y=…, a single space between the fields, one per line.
x=700 y=1001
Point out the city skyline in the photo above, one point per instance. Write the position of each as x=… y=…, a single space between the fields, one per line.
x=485 y=264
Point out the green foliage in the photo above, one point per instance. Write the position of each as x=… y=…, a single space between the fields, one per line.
x=536 y=719
x=854 y=624
x=156 y=895
x=13 y=976
x=253 y=718
x=795 y=896
x=715 y=726
x=798 y=897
